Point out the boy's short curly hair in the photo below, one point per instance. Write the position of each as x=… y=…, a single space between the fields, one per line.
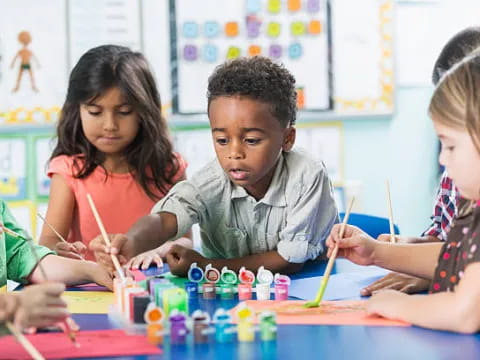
x=258 y=78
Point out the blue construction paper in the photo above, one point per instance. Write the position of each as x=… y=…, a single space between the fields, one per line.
x=340 y=286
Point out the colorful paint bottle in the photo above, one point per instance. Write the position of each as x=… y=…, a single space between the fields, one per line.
x=226 y=291
x=154 y=317
x=224 y=329
x=247 y=278
x=201 y=325
x=264 y=280
x=178 y=327
x=282 y=283
x=268 y=325
x=245 y=329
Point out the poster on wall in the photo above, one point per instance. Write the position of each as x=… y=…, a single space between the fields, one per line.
x=43 y=150
x=96 y=22
x=208 y=32
x=363 y=56
x=33 y=66
x=13 y=168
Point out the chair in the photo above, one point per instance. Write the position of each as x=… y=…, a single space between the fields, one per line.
x=372 y=225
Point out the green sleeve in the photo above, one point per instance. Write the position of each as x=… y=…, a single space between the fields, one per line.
x=20 y=260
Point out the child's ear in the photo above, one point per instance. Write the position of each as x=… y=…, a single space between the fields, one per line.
x=289 y=138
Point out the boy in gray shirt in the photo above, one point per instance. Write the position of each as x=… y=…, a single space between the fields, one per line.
x=258 y=203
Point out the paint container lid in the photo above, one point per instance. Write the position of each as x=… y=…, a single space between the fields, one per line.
x=195 y=274
x=228 y=276
x=221 y=316
x=246 y=276
x=154 y=314
x=212 y=274
x=244 y=312
x=264 y=276
x=282 y=280
x=199 y=316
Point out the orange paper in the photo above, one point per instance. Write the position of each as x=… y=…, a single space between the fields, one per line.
x=328 y=313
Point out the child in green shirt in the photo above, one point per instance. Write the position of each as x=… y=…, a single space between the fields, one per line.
x=38 y=305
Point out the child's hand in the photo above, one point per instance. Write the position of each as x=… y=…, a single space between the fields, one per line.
x=397 y=281
x=179 y=259
x=74 y=250
x=145 y=259
x=102 y=252
x=40 y=305
x=9 y=303
x=99 y=275
x=386 y=303
x=355 y=245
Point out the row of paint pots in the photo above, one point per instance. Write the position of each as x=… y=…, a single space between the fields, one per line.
x=227 y=283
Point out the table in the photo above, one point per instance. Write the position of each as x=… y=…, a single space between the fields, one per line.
x=319 y=342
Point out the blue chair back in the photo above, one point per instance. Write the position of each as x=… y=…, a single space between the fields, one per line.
x=372 y=225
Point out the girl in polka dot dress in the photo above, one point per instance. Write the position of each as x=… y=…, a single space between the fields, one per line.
x=453 y=267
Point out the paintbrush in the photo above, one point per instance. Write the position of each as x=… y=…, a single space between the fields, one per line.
x=326 y=275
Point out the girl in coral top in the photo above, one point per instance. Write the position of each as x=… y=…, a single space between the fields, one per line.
x=112 y=143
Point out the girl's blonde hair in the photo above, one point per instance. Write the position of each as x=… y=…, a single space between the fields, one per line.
x=456 y=100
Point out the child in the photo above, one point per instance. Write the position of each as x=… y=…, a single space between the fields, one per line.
x=259 y=203
x=112 y=143
x=454 y=266
x=38 y=305
x=445 y=208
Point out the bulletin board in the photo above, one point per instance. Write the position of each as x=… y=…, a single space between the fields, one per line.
x=32 y=80
x=206 y=33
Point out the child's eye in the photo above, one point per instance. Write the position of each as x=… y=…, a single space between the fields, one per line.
x=221 y=141
x=448 y=148
x=125 y=113
x=94 y=113
x=251 y=141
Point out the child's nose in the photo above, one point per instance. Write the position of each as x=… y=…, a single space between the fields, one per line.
x=109 y=123
x=235 y=151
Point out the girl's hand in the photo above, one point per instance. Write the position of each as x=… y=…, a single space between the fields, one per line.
x=74 y=250
x=144 y=260
x=179 y=259
x=103 y=252
x=397 y=281
x=40 y=305
x=386 y=303
x=355 y=245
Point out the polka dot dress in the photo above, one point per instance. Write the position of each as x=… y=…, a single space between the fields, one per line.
x=460 y=249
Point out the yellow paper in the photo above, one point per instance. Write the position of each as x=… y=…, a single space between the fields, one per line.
x=88 y=302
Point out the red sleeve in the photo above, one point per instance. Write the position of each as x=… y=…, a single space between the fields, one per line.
x=62 y=165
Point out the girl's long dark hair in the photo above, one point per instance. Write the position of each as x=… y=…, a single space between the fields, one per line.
x=150 y=155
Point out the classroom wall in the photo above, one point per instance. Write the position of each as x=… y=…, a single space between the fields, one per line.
x=403 y=149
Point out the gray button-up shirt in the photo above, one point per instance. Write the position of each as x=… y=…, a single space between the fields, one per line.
x=294 y=217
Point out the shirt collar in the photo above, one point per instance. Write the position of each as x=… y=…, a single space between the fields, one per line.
x=275 y=195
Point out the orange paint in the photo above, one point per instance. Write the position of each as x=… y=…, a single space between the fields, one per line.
x=254 y=50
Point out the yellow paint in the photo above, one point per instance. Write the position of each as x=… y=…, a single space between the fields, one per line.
x=88 y=302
